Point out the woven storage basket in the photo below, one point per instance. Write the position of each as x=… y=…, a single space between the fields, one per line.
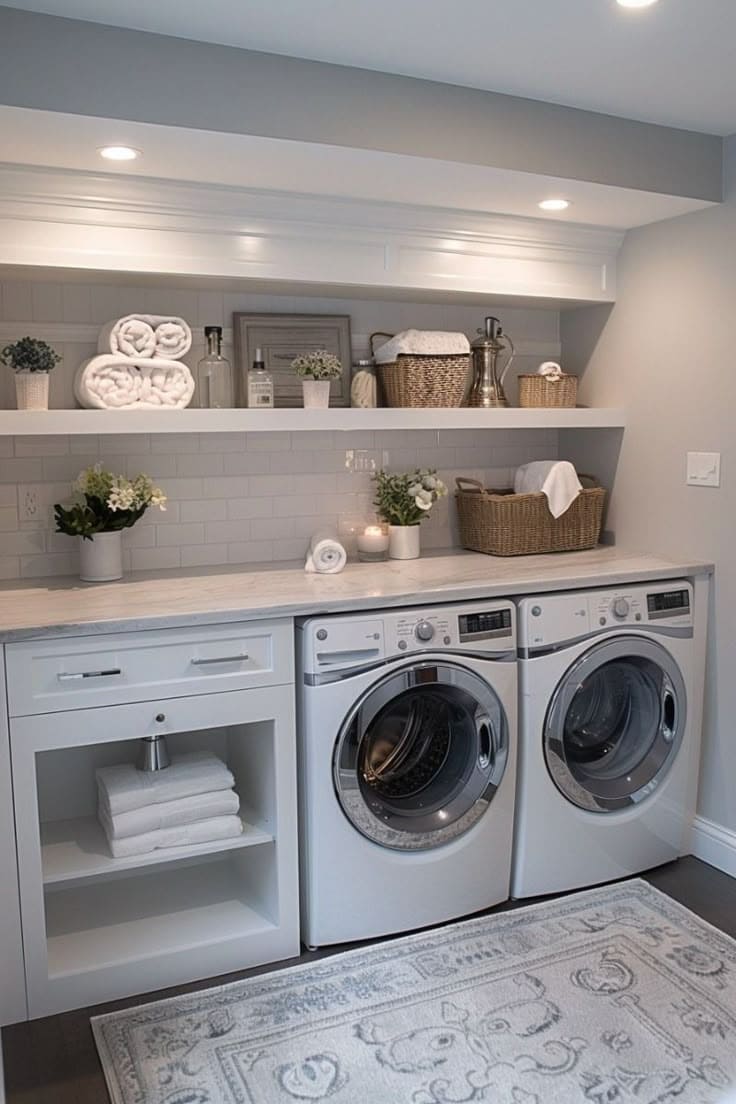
x=502 y=523
x=416 y=380
x=538 y=391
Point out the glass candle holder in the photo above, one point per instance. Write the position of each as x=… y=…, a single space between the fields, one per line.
x=373 y=543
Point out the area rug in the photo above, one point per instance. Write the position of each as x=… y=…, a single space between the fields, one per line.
x=611 y=996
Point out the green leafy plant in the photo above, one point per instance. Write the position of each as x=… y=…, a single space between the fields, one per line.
x=406 y=499
x=105 y=503
x=29 y=355
x=318 y=365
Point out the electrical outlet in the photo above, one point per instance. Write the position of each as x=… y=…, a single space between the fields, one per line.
x=29 y=503
x=704 y=469
x=360 y=460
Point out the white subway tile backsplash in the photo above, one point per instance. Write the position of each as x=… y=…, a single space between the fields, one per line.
x=21 y=471
x=205 y=510
x=154 y=559
x=252 y=507
x=23 y=543
x=248 y=463
x=41 y=446
x=251 y=552
x=9 y=567
x=209 y=463
x=204 y=555
x=176 y=535
x=59 y=563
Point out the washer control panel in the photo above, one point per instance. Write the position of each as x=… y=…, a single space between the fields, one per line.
x=549 y=620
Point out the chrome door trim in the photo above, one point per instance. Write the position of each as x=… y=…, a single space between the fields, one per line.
x=673 y=715
x=492 y=751
x=681 y=632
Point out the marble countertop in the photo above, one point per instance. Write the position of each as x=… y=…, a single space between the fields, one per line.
x=65 y=606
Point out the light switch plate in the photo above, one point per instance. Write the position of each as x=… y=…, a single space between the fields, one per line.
x=704 y=469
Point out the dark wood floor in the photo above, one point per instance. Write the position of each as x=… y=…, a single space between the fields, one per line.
x=54 y=1061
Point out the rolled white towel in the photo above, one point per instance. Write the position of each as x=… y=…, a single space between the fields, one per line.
x=146 y=335
x=325 y=556
x=423 y=343
x=203 y=831
x=168 y=814
x=122 y=788
x=557 y=479
x=550 y=370
x=111 y=381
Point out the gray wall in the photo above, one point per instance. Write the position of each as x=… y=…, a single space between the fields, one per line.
x=88 y=69
x=666 y=352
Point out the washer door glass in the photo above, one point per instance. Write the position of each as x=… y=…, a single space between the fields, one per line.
x=615 y=724
x=420 y=757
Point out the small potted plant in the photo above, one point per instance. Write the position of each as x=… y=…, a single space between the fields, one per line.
x=316 y=370
x=103 y=505
x=31 y=360
x=404 y=501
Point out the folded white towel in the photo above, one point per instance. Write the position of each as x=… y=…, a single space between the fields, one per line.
x=111 y=381
x=146 y=335
x=123 y=788
x=215 y=828
x=550 y=370
x=423 y=342
x=169 y=814
x=325 y=555
x=557 y=479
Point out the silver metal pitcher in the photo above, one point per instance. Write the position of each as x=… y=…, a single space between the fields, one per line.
x=487 y=386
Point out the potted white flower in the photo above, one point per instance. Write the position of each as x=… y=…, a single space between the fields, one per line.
x=104 y=504
x=404 y=501
x=317 y=369
x=31 y=360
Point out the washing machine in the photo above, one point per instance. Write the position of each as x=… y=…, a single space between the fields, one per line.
x=608 y=749
x=407 y=767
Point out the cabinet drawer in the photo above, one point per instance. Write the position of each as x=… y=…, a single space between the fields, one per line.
x=46 y=676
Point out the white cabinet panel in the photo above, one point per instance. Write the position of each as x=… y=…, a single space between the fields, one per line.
x=12 y=981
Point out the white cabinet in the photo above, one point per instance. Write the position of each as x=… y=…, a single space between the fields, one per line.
x=97 y=928
x=12 y=982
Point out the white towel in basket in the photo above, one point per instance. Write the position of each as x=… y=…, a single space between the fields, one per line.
x=423 y=343
x=557 y=479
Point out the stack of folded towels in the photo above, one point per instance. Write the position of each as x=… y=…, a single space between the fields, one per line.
x=191 y=801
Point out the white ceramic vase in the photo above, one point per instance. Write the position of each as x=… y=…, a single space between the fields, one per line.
x=32 y=390
x=403 y=542
x=101 y=559
x=316 y=394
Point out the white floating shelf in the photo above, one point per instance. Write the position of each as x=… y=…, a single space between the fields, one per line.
x=71 y=422
x=75 y=849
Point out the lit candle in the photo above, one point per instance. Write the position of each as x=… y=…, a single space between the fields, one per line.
x=373 y=543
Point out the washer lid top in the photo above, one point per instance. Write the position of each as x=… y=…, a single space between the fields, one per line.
x=420 y=756
x=615 y=724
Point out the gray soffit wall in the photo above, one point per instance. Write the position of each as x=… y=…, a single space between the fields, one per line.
x=88 y=69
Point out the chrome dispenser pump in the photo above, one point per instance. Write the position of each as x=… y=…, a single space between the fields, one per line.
x=487 y=386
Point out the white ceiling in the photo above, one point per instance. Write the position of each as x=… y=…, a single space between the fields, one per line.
x=48 y=138
x=674 y=63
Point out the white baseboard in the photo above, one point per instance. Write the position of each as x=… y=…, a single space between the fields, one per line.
x=715 y=845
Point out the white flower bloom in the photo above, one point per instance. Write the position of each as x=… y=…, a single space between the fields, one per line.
x=424 y=500
x=430 y=482
x=415 y=489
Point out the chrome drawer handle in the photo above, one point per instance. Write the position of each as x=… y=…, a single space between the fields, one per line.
x=65 y=677
x=220 y=659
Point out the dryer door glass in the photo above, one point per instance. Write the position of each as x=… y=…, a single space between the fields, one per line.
x=615 y=724
x=420 y=757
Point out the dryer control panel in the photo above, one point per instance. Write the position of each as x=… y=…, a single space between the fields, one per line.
x=350 y=641
x=555 y=619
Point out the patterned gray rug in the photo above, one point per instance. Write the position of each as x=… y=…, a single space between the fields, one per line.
x=612 y=996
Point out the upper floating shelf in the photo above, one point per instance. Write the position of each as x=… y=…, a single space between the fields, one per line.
x=67 y=422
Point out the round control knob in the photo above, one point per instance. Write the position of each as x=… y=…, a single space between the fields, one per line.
x=160 y=717
x=424 y=631
x=321 y=634
x=621 y=608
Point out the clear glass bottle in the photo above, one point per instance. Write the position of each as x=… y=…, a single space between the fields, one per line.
x=260 y=384
x=215 y=385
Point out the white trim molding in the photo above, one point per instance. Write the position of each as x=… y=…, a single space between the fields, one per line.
x=714 y=844
x=66 y=219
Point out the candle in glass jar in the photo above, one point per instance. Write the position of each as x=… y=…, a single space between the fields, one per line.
x=373 y=543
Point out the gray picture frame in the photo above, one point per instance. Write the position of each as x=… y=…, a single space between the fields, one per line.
x=281 y=337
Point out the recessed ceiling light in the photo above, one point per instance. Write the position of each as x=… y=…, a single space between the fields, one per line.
x=119 y=153
x=636 y=3
x=554 y=204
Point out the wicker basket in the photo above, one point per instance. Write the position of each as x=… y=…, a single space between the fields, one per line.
x=502 y=523
x=416 y=380
x=539 y=391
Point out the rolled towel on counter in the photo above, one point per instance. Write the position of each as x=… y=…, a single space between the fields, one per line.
x=325 y=555
x=123 y=788
x=116 y=382
x=168 y=814
x=557 y=479
x=423 y=343
x=203 y=831
x=146 y=335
